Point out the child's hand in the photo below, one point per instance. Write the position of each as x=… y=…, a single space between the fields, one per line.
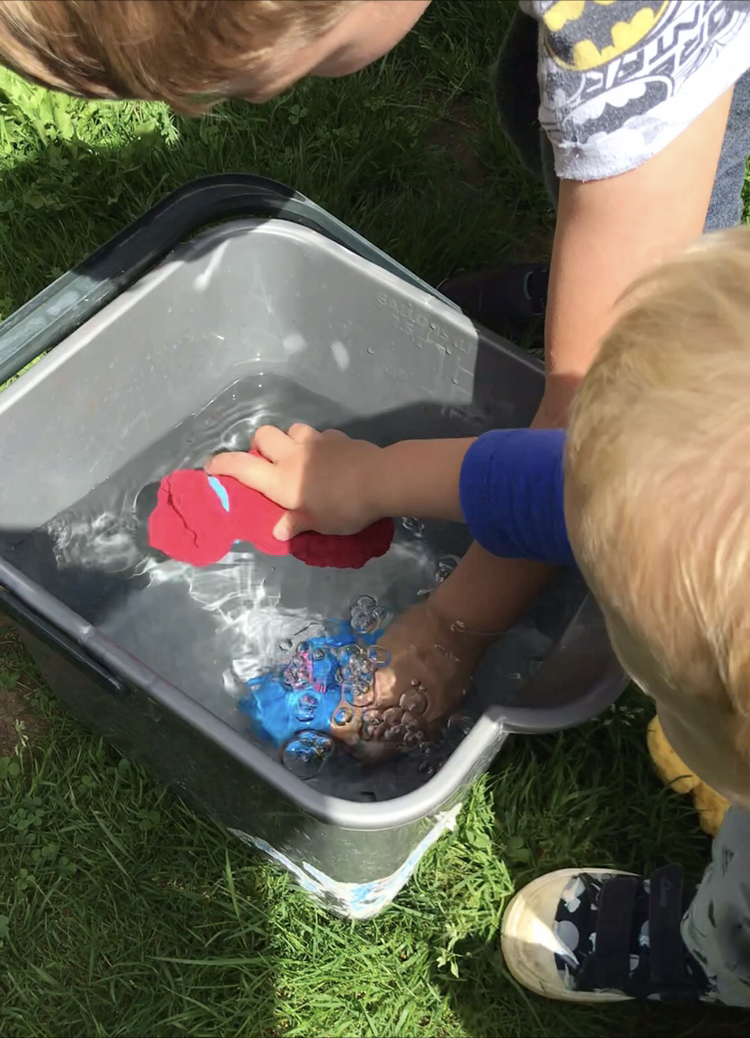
x=428 y=675
x=325 y=480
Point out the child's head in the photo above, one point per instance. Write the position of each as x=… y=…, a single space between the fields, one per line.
x=658 y=479
x=188 y=52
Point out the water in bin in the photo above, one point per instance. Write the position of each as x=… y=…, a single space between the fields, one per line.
x=218 y=632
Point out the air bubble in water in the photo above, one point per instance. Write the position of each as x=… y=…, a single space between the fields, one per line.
x=305 y=752
x=358 y=694
x=318 y=655
x=372 y=717
x=297 y=672
x=306 y=706
x=342 y=716
x=344 y=653
x=392 y=715
x=364 y=615
x=410 y=739
x=303 y=648
x=286 y=645
x=426 y=769
x=361 y=680
x=460 y=724
x=363 y=695
x=357 y=667
x=378 y=656
x=414 y=701
x=445 y=567
x=413 y=526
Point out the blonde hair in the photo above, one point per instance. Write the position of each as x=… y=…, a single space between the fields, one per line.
x=177 y=51
x=658 y=473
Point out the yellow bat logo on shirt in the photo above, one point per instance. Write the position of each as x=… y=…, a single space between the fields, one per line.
x=607 y=29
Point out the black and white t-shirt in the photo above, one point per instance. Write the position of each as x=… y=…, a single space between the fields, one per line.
x=621 y=79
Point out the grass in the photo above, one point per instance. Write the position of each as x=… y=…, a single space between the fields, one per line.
x=122 y=913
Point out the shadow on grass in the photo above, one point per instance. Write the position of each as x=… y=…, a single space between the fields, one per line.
x=408 y=153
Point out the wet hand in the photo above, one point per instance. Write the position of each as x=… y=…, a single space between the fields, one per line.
x=430 y=662
x=325 y=480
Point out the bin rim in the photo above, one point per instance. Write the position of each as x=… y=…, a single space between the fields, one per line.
x=73 y=298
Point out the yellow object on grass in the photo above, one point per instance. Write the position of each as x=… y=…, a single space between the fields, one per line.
x=709 y=804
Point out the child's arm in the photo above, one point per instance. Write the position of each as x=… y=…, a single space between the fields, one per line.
x=608 y=233
x=507 y=485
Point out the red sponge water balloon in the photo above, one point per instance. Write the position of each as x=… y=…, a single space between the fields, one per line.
x=199 y=517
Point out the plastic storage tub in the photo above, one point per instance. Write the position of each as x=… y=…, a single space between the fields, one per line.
x=156 y=323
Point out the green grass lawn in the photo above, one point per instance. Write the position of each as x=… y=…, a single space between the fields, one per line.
x=122 y=913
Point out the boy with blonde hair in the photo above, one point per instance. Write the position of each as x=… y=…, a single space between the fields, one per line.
x=649 y=493
x=637 y=113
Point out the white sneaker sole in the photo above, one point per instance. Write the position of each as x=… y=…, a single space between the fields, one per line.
x=528 y=940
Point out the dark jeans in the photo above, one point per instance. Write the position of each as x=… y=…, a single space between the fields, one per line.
x=517 y=98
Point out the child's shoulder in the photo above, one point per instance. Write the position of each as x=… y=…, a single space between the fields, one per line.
x=619 y=82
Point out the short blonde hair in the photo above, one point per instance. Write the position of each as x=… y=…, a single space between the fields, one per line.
x=176 y=51
x=658 y=472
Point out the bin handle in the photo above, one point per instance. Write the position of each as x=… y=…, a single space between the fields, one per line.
x=77 y=295
x=45 y=631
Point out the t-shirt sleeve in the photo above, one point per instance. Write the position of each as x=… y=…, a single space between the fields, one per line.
x=511 y=490
x=619 y=81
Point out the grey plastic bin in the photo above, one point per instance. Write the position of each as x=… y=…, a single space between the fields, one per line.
x=134 y=299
